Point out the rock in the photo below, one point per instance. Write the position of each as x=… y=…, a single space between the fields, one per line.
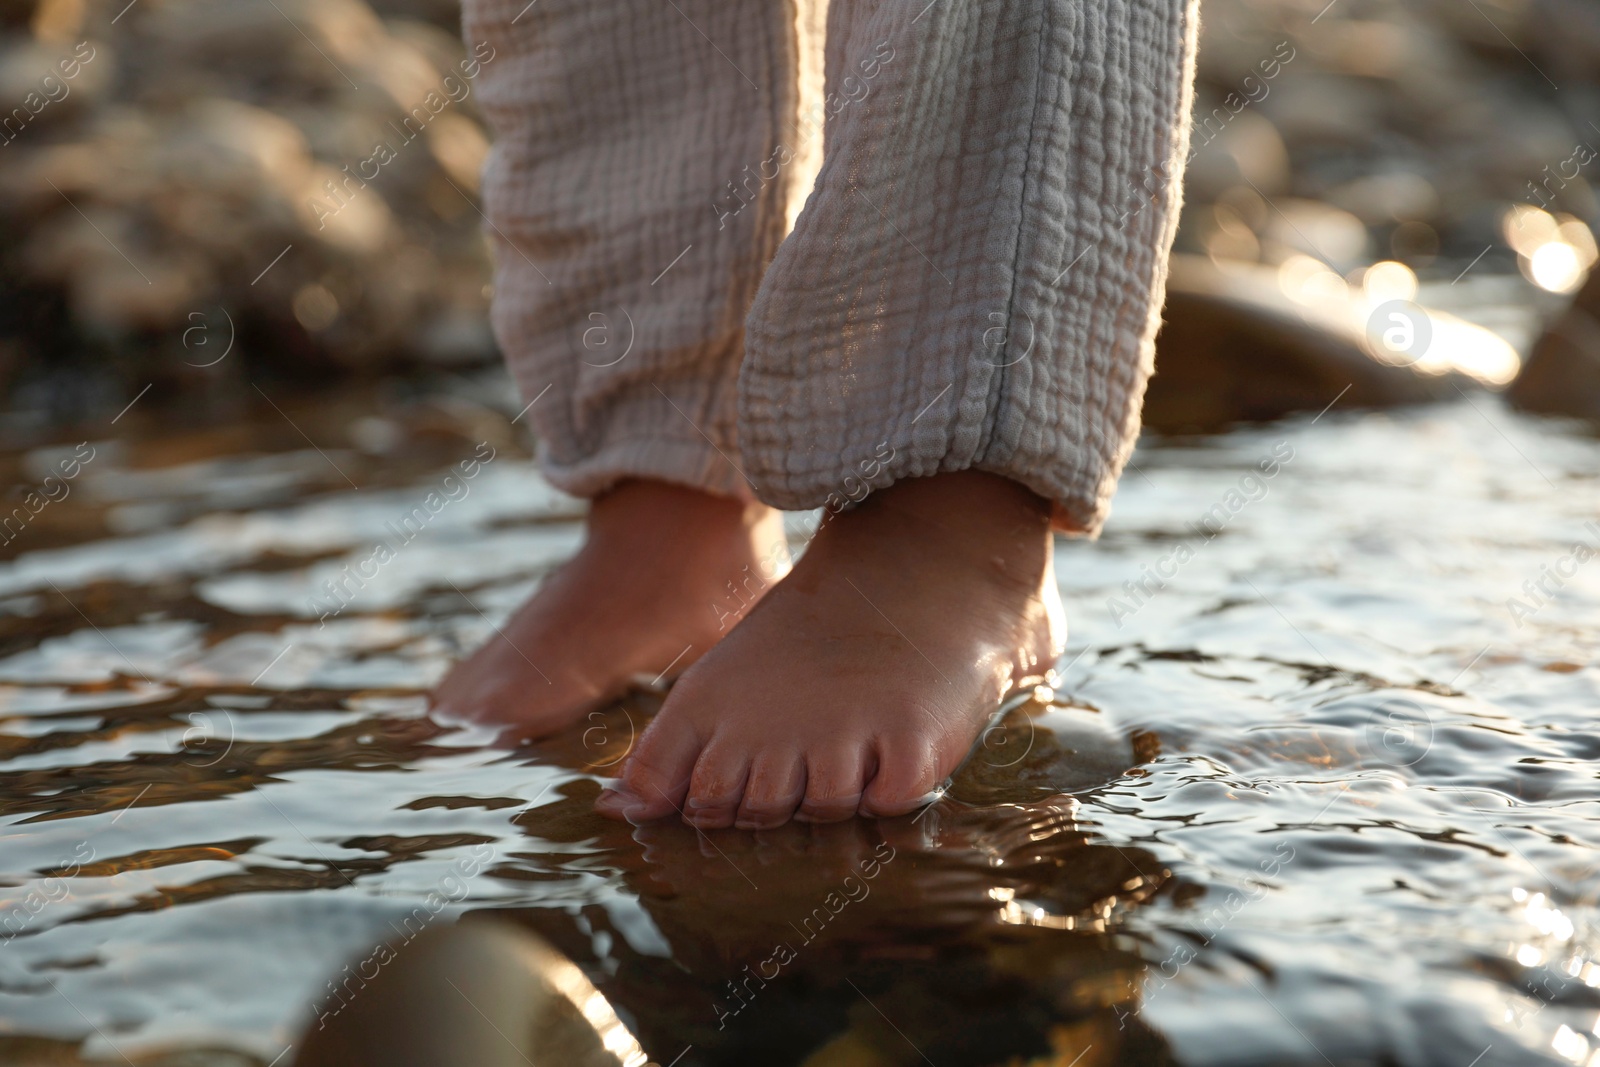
x=207 y=134
x=1562 y=374
x=1046 y=748
x=208 y=143
x=485 y=993
x=1234 y=347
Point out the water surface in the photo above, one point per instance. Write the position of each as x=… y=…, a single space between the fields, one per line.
x=1312 y=789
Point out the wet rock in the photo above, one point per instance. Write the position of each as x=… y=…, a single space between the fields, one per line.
x=1233 y=348
x=1424 y=121
x=1046 y=748
x=484 y=993
x=1562 y=374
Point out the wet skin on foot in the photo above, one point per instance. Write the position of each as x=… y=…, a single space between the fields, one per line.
x=664 y=572
x=859 y=683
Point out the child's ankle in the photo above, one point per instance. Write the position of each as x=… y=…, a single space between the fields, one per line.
x=983 y=518
x=637 y=506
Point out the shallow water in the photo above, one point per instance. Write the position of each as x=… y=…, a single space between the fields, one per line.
x=1315 y=794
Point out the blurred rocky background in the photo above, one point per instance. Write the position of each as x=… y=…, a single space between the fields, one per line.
x=1398 y=129
x=176 y=175
x=175 y=179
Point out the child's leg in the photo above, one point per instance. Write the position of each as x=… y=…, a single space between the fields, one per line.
x=634 y=210
x=974 y=287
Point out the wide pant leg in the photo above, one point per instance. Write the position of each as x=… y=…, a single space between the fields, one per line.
x=977 y=278
x=646 y=156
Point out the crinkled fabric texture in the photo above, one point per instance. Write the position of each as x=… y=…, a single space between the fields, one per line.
x=975 y=281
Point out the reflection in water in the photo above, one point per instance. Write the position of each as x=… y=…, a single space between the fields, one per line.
x=1324 y=798
x=967 y=934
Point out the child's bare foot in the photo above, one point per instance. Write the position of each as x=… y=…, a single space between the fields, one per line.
x=664 y=572
x=861 y=682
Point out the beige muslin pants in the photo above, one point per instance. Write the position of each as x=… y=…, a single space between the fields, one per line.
x=974 y=281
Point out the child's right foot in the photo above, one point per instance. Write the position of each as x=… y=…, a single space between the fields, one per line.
x=862 y=682
x=664 y=572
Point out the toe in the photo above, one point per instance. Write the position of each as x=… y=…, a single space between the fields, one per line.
x=907 y=774
x=775 y=787
x=655 y=778
x=716 y=787
x=834 y=779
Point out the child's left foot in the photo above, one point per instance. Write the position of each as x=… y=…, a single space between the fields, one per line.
x=861 y=681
